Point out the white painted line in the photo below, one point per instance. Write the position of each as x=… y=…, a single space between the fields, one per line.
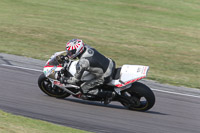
x=22 y=67
x=176 y=93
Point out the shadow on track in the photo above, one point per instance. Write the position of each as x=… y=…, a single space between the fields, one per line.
x=94 y=103
x=156 y=113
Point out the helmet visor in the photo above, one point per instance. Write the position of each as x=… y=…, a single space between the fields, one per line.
x=71 y=53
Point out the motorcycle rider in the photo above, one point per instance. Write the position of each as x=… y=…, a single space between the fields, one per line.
x=94 y=62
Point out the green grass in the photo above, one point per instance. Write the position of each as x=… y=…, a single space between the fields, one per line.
x=17 y=124
x=164 y=34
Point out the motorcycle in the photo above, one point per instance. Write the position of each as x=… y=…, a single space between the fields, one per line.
x=129 y=92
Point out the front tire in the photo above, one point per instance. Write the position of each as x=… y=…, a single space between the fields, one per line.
x=140 y=96
x=46 y=86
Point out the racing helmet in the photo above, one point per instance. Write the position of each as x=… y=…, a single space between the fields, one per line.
x=74 y=48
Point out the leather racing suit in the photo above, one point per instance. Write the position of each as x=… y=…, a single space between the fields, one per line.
x=95 y=63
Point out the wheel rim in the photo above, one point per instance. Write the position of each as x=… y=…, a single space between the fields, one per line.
x=138 y=102
x=53 y=91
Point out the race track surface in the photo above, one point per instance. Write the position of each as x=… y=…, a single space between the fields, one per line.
x=176 y=109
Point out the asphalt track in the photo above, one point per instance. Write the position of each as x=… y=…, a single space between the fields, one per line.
x=176 y=109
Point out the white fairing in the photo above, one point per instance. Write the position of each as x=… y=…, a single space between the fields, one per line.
x=130 y=72
x=52 y=65
x=50 y=71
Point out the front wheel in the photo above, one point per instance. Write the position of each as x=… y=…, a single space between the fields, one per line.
x=139 y=96
x=46 y=86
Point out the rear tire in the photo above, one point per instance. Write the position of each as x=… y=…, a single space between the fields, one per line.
x=46 y=86
x=140 y=95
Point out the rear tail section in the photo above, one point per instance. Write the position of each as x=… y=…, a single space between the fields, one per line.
x=128 y=74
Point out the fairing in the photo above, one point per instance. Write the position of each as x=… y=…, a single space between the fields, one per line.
x=130 y=74
x=53 y=65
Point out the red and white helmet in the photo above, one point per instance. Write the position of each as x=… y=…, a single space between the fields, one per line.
x=74 y=48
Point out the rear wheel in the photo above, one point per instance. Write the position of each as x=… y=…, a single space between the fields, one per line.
x=140 y=97
x=46 y=86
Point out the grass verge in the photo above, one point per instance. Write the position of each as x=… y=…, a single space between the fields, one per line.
x=17 y=124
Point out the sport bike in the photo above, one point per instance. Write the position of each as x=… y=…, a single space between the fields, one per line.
x=128 y=91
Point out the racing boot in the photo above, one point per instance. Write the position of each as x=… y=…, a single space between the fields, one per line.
x=109 y=97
